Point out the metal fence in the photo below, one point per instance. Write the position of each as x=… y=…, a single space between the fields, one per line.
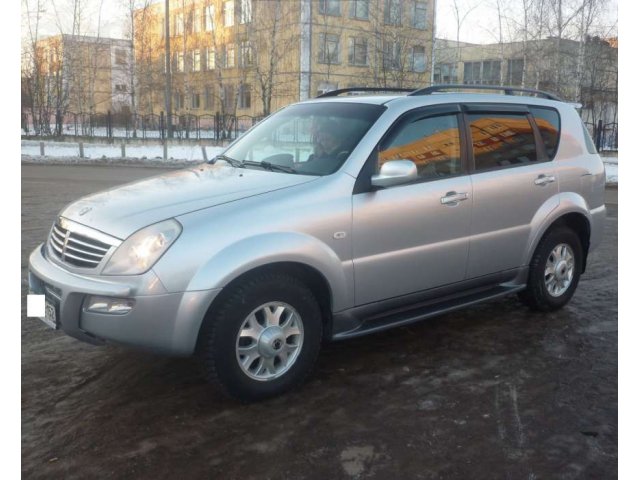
x=605 y=135
x=128 y=126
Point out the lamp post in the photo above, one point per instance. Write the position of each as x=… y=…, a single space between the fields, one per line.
x=167 y=60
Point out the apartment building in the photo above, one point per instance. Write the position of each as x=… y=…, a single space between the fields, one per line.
x=585 y=73
x=84 y=74
x=250 y=57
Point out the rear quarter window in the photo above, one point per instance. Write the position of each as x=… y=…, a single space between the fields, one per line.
x=591 y=148
x=548 y=122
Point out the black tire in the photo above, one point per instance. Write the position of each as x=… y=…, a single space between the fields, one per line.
x=536 y=296
x=217 y=347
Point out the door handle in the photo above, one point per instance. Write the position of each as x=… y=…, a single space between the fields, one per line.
x=543 y=180
x=453 y=198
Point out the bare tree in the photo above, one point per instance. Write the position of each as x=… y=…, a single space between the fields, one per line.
x=132 y=9
x=270 y=44
x=460 y=14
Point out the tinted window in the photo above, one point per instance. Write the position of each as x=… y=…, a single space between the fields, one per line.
x=501 y=140
x=432 y=143
x=548 y=122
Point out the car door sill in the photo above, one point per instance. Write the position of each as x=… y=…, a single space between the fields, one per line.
x=396 y=318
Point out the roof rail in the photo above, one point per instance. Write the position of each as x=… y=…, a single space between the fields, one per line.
x=335 y=93
x=508 y=90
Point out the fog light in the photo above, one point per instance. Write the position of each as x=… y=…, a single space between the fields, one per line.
x=116 y=306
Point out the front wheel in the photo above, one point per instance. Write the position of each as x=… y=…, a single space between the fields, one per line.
x=554 y=271
x=264 y=338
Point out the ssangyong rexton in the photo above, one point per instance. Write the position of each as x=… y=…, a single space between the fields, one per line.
x=332 y=218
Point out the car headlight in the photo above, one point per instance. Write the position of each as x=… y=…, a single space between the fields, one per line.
x=140 y=251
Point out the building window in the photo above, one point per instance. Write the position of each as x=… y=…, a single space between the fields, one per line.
x=211 y=58
x=445 y=73
x=195 y=61
x=121 y=56
x=391 y=55
x=195 y=100
x=515 y=68
x=419 y=18
x=245 y=96
x=208 y=98
x=357 y=51
x=472 y=73
x=228 y=13
x=482 y=73
x=178 y=100
x=359 y=9
x=491 y=72
x=246 y=54
x=245 y=11
x=329 y=7
x=329 y=48
x=180 y=62
x=393 y=12
x=209 y=18
x=178 y=24
x=197 y=21
x=188 y=24
x=418 y=59
x=227 y=97
x=230 y=56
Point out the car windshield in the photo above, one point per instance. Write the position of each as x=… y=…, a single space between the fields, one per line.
x=310 y=139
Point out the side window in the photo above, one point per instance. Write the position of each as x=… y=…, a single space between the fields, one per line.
x=501 y=140
x=548 y=122
x=432 y=143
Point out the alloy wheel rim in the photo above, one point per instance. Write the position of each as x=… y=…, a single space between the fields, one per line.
x=559 y=270
x=269 y=341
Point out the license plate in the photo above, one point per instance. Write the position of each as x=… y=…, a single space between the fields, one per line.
x=50 y=315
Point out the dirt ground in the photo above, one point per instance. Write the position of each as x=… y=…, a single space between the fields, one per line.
x=492 y=391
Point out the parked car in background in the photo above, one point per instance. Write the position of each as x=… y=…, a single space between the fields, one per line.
x=331 y=219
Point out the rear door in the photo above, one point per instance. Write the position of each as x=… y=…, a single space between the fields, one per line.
x=512 y=177
x=412 y=237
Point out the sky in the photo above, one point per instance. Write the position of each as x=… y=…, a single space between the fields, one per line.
x=480 y=25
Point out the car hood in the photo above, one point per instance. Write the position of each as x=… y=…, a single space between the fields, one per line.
x=122 y=210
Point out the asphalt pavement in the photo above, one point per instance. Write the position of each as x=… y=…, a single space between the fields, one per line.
x=492 y=391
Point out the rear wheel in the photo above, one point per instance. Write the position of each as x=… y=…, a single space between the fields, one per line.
x=554 y=271
x=264 y=338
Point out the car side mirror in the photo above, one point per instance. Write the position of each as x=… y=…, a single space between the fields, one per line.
x=395 y=172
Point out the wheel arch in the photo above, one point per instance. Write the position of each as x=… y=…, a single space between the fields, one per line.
x=572 y=212
x=307 y=274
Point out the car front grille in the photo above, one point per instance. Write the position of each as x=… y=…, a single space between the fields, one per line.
x=77 y=249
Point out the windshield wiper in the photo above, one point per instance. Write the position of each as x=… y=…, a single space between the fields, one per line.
x=270 y=166
x=231 y=161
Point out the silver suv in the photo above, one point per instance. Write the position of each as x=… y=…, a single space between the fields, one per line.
x=331 y=219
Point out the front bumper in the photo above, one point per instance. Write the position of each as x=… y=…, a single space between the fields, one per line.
x=166 y=322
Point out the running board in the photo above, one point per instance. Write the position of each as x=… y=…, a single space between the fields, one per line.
x=397 y=318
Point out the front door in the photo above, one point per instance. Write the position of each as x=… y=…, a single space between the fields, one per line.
x=412 y=237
